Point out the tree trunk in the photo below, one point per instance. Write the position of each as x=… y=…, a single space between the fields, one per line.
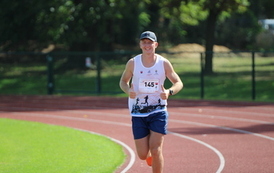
x=209 y=39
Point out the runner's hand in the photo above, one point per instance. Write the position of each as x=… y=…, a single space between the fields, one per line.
x=131 y=92
x=164 y=93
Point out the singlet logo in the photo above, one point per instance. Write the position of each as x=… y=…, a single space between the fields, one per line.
x=142 y=105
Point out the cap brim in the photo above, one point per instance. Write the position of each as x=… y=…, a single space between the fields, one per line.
x=147 y=38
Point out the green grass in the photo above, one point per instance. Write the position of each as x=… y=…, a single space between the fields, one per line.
x=35 y=147
x=231 y=79
x=29 y=79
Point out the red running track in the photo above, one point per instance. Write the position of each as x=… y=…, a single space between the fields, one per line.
x=205 y=136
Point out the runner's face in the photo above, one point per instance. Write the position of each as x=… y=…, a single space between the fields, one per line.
x=148 y=46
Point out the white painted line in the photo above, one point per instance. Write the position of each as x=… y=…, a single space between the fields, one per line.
x=132 y=156
x=221 y=158
x=125 y=124
x=176 y=113
x=70 y=118
x=131 y=152
x=219 y=154
x=246 y=111
x=224 y=128
x=171 y=120
x=221 y=117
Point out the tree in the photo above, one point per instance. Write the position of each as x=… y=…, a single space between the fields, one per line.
x=32 y=22
x=84 y=25
x=79 y=25
x=215 y=9
x=175 y=17
x=193 y=11
x=239 y=31
x=17 y=21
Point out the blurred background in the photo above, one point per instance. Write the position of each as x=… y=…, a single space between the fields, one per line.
x=222 y=50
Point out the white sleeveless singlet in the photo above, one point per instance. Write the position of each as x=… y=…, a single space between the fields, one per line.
x=147 y=83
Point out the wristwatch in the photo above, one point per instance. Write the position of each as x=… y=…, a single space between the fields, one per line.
x=170 y=92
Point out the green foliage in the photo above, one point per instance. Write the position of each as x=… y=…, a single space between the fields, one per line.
x=86 y=25
x=102 y=25
x=242 y=30
x=192 y=14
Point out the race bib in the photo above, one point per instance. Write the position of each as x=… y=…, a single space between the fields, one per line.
x=148 y=85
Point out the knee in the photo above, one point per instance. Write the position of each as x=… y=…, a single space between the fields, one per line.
x=142 y=156
x=156 y=151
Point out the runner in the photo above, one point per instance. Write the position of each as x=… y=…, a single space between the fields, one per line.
x=148 y=99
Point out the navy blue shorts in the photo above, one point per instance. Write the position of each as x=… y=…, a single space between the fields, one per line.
x=156 y=122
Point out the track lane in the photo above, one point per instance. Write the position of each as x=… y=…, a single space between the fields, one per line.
x=199 y=121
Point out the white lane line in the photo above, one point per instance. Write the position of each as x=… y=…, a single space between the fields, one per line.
x=172 y=112
x=70 y=118
x=125 y=124
x=171 y=120
x=202 y=124
x=222 y=117
x=131 y=152
x=237 y=112
x=176 y=113
x=186 y=114
x=224 y=128
x=132 y=156
x=219 y=154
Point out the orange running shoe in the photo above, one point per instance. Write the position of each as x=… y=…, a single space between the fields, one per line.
x=149 y=161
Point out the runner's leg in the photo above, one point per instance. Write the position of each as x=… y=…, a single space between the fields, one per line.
x=156 y=141
x=142 y=147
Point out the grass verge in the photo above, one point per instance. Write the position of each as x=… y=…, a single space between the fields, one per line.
x=231 y=80
x=35 y=147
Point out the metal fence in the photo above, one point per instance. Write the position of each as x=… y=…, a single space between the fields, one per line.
x=237 y=75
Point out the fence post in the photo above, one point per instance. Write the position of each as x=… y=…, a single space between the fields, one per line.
x=50 y=84
x=202 y=76
x=253 y=77
x=98 y=59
